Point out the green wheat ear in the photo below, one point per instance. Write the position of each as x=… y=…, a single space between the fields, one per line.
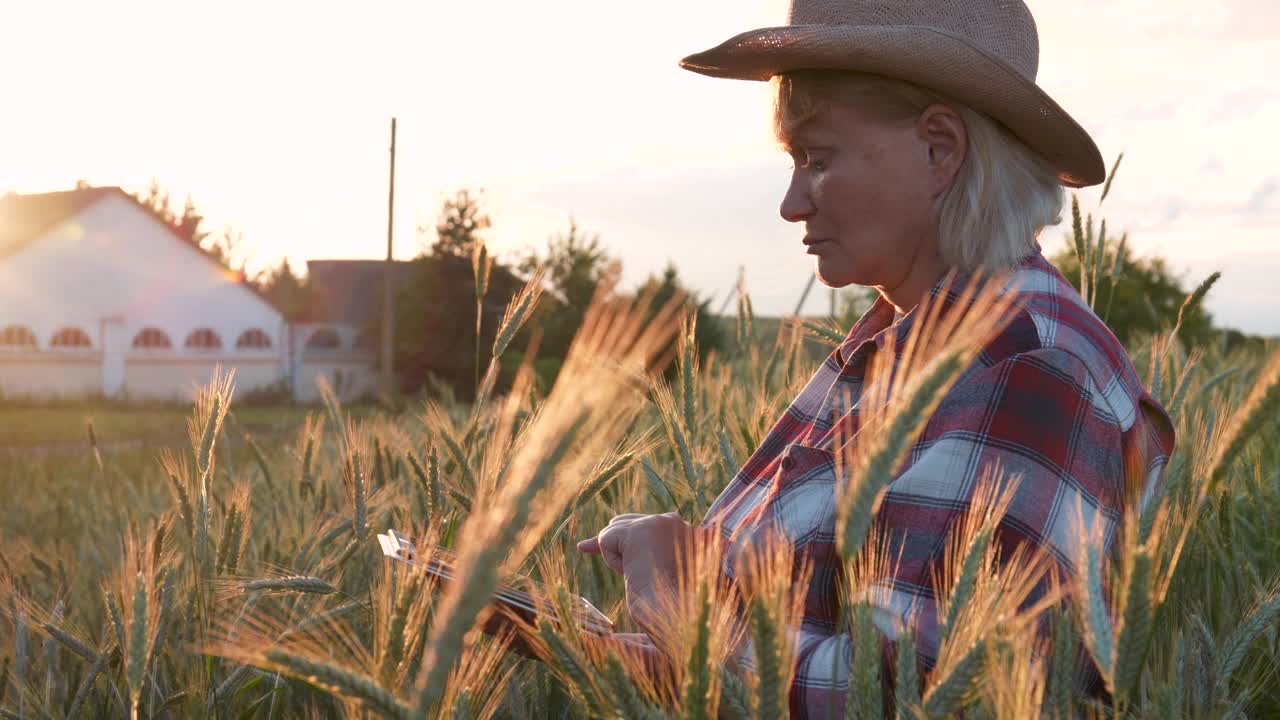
x=1261 y=408
x=1077 y=233
x=306 y=482
x=1106 y=188
x=1194 y=299
x=225 y=541
x=393 y=653
x=477 y=580
x=854 y=512
x=1061 y=682
x=689 y=372
x=360 y=495
x=948 y=692
x=1233 y=651
x=626 y=697
x=86 y=685
x=20 y=641
x=138 y=642
x=824 y=331
x=771 y=691
x=179 y=488
x=574 y=666
x=863 y=700
x=696 y=693
x=966 y=583
x=1136 y=622
x=907 y=693
x=289 y=583
x=677 y=433
x=459 y=457
x=518 y=311
x=735 y=695
x=1096 y=621
x=341 y=680
x=207 y=439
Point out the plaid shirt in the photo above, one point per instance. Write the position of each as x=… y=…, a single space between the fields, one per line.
x=1052 y=398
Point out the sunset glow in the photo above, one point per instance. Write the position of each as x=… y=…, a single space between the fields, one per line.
x=273 y=117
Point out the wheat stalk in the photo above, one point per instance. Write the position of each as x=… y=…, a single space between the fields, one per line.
x=289 y=583
x=138 y=647
x=340 y=680
x=518 y=311
x=1237 y=645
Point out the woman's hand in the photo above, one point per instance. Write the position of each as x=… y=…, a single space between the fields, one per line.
x=644 y=548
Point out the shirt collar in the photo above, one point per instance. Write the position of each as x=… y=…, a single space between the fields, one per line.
x=877 y=322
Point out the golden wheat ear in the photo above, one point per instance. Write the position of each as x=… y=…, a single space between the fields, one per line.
x=553 y=454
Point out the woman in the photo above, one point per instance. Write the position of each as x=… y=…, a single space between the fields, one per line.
x=923 y=151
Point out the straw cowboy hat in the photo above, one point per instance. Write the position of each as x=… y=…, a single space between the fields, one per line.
x=984 y=53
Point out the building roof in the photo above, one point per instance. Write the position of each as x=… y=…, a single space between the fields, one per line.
x=349 y=291
x=26 y=218
x=23 y=218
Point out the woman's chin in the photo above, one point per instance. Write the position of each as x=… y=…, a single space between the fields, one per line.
x=835 y=275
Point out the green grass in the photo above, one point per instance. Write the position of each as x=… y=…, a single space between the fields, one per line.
x=65 y=426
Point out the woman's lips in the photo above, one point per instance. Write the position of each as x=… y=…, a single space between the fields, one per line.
x=813 y=245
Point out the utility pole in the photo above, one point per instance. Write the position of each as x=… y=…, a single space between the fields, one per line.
x=388 y=295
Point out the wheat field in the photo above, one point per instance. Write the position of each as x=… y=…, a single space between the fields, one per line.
x=243 y=580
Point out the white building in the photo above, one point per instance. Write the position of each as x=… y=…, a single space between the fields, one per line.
x=337 y=334
x=98 y=296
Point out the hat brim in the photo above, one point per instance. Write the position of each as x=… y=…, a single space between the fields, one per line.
x=926 y=56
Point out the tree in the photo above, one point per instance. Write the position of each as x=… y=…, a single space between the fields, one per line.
x=852 y=303
x=1145 y=297
x=576 y=265
x=288 y=292
x=709 y=335
x=225 y=248
x=436 y=322
x=459 y=226
x=187 y=224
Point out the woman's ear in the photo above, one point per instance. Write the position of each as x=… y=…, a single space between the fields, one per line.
x=946 y=140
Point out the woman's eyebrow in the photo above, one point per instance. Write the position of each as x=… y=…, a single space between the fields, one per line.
x=792 y=142
x=805 y=135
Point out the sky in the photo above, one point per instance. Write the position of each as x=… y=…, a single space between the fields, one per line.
x=274 y=118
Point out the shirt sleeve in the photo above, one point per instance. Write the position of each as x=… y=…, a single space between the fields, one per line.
x=1042 y=419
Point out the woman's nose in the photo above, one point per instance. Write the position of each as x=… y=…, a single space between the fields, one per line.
x=796 y=204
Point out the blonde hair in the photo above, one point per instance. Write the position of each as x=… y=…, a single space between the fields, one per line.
x=1004 y=193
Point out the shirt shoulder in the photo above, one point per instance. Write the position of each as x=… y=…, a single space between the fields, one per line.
x=1054 y=324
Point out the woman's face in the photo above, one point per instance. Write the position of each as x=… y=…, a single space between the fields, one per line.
x=865 y=194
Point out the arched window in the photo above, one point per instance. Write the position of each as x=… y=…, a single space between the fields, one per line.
x=70 y=337
x=151 y=338
x=17 y=337
x=254 y=339
x=203 y=339
x=324 y=339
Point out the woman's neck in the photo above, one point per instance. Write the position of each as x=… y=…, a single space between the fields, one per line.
x=925 y=270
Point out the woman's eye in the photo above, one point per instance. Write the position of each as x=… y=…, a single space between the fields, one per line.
x=813 y=163
x=809 y=163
